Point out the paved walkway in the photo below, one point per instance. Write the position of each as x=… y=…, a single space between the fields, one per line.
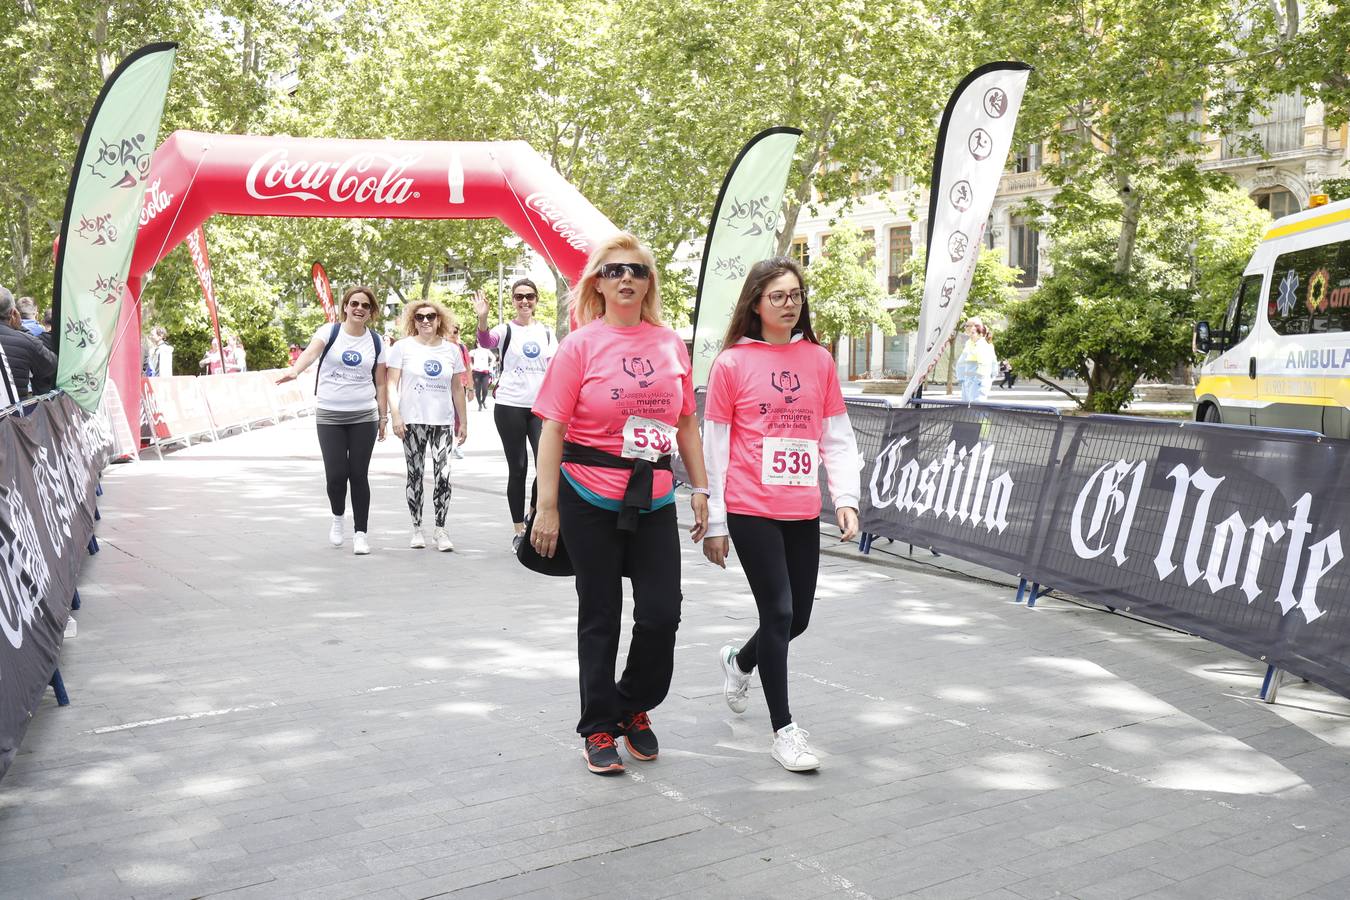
x=258 y=715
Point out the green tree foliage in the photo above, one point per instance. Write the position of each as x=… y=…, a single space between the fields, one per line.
x=1111 y=329
x=991 y=289
x=844 y=294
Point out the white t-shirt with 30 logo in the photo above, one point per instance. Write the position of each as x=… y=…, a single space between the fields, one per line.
x=427 y=375
x=345 y=376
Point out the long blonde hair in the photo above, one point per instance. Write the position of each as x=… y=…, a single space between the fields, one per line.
x=589 y=303
x=444 y=323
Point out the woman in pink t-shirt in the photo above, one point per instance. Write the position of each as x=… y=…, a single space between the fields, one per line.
x=774 y=409
x=616 y=401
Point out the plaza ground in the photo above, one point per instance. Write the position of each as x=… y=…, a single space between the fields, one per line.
x=256 y=714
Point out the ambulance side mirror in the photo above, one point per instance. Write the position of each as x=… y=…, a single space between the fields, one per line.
x=1203 y=339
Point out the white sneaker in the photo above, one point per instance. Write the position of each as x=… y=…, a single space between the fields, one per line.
x=443 y=542
x=335 y=533
x=417 y=541
x=791 y=750
x=736 y=685
x=359 y=545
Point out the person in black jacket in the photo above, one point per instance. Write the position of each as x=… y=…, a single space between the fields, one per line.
x=22 y=356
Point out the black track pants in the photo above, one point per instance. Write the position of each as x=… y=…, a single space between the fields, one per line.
x=781 y=561
x=346 y=459
x=516 y=426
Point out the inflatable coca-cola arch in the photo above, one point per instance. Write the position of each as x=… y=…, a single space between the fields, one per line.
x=194 y=176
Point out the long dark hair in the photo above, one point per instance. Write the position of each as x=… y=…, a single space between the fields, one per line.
x=745 y=320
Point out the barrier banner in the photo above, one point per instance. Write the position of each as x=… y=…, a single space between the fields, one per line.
x=1233 y=534
x=180 y=408
x=50 y=462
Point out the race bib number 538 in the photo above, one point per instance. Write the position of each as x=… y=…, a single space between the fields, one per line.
x=647 y=439
x=790 y=461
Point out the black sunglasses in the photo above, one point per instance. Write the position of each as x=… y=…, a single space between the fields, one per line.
x=426 y=317
x=524 y=296
x=615 y=270
x=357 y=304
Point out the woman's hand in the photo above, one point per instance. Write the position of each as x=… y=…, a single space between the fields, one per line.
x=288 y=375
x=700 y=526
x=399 y=428
x=462 y=434
x=847 y=517
x=480 y=307
x=716 y=549
x=545 y=531
x=383 y=423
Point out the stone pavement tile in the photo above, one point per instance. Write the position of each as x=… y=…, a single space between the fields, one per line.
x=1124 y=886
x=1230 y=884
x=973 y=884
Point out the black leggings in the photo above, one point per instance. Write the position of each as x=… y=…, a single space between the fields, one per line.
x=480 y=386
x=346 y=458
x=781 y=561
x=603 y=556
x=516 y=425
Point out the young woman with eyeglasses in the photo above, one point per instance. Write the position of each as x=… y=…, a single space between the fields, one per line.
x=774 y=409
x=351 y=405
x=527 y=346
x=616 y=402
x=428 y=408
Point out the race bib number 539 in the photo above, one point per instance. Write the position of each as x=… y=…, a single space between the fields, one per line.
x=790 y=461
x=647 y=439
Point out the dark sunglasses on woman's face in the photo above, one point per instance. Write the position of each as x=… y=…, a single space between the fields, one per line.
x=616 y=270
x=357 y=304
x=426 y=317
x=525 y=297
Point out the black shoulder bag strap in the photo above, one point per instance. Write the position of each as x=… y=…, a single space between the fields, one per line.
x=332 y=339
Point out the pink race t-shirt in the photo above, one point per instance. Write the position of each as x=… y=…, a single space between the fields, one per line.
x=782 y=393
x=601 y=375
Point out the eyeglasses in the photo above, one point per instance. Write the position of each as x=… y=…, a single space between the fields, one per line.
x=780 y=298
x=526 y=297
x=357 y=304
x=616 y=270
x=426 y=317
x=455 y=333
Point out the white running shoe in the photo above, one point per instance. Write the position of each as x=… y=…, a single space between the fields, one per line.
x=359 y=545
x=736 y=685
x=443 y=542
x=791 y=750
x=417 y=541
x=335 y=532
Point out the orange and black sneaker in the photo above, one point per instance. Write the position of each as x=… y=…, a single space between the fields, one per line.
x=638 y=735
x=602 y=756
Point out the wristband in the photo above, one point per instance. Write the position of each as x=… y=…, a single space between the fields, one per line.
x=698 y=490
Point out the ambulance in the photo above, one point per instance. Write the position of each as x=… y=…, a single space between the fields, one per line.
x=1281 y=357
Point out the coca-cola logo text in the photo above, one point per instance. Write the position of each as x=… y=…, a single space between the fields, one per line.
x=568 y=230
x=365 y=177
x=156 y=201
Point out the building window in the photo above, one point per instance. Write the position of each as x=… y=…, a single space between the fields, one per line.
x=860 y=351
x=799 y=253
x=1277 y=201
x=895 y=354
x=1277 y=131
x=869 y=237
x=1024 y=244
x=901 y=182
x=1027 y=158
x=901 y=249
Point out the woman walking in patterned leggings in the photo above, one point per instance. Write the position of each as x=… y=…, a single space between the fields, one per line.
x=427 y=405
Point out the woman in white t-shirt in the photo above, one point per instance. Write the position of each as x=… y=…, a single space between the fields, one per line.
x=526 y=346
x=351 y=403
x=424 y=371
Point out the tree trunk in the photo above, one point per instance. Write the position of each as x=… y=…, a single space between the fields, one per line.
x=106 y=63
x=806 y=178
x=427 y=277
x=562 y=322
x=1129 y=224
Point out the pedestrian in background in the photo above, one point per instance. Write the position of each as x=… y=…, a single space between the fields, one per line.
x=28 y=316
x=161 y=352
x=427 y=408
x=352 y=400
x=526 y=346
x=977 y=362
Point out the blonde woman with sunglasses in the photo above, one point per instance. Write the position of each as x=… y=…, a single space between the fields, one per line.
x=428 y=408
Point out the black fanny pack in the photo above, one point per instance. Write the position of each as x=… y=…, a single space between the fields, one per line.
x=638 y=496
